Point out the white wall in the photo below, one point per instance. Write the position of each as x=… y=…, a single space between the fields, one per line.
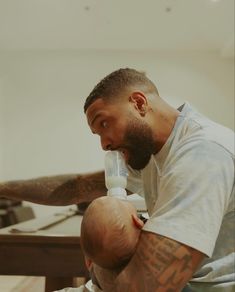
x=1 y=130
x=45 y=128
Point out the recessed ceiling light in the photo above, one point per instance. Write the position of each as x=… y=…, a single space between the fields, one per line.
x=168 y=9
x=87 y=8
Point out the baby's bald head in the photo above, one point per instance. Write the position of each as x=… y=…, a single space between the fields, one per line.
x=108 y=233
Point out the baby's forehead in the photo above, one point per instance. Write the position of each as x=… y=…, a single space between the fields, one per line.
x=111 y=203
x=107 y=208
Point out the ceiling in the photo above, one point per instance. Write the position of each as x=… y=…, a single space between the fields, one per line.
x=182 y=25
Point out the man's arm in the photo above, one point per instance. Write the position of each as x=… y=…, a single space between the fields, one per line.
x=159 y=264
x=56 y=190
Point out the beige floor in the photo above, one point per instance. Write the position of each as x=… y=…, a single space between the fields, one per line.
x=26 y=284
x=21 y=284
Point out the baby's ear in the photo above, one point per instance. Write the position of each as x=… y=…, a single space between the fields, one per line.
x=137 y=221
x=88 y=263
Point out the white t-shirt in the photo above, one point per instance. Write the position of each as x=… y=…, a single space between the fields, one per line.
x=189 y=192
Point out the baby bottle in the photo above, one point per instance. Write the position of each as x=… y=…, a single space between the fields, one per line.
x=115 y=174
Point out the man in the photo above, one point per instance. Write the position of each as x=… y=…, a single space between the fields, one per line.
x=182 y=163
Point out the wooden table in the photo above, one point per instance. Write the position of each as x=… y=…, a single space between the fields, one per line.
x=53 y=251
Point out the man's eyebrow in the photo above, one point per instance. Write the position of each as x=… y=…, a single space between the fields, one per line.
x=94 y=118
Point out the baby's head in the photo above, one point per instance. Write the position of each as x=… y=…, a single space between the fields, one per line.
x=110 y=231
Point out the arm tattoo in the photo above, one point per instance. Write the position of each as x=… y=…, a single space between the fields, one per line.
x=159 y=264
x=81 y=189
x=56 y=190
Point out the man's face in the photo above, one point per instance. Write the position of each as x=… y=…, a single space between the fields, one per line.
x=120 y=127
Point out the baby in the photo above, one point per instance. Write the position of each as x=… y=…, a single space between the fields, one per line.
x=109 y=232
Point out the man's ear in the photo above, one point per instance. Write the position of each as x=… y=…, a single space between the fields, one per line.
x=140 y=102
x=137 y=221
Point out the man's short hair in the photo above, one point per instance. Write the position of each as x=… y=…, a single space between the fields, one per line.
x=111 y=86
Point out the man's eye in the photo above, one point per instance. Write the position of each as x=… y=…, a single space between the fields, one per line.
x=104 y=124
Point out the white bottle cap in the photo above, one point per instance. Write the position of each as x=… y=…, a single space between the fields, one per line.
x=118 y=192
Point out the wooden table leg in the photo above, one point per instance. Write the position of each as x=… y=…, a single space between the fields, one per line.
x=57 y=283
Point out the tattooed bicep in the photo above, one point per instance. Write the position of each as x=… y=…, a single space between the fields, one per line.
x=161 y=264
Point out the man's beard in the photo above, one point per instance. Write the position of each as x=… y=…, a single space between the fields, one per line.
x=138 y=140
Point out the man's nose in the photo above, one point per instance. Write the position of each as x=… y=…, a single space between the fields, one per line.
x=106 y=143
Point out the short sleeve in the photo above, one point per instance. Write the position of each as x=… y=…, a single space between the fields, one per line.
x=193 y=195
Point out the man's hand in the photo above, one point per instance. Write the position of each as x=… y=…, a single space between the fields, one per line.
x=159 y=264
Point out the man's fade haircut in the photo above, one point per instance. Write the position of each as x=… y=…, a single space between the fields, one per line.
x=116 y=82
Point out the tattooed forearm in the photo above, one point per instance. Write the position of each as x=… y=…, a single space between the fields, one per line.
x=159 y=264
x=56 y=190
x=81 y=189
